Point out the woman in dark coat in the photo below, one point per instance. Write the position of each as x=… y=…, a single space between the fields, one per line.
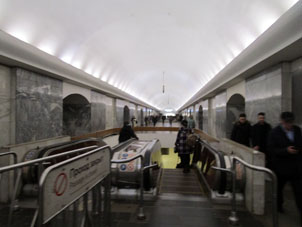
x=182 y=148
x=126 y=133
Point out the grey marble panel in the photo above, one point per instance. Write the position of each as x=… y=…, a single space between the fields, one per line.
x=263 y=94
x=220 y=122
x=5 y=105
x=38 y=106
x=297 y=93
x=205 y=107
x=98 y=111
x=120 y=116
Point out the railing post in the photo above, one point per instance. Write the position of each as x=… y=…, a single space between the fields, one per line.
x=233 y=219
x=141 y=215
x=274 y=196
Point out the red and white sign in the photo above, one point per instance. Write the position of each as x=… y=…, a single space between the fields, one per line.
x=69 y=180
x=61 y=183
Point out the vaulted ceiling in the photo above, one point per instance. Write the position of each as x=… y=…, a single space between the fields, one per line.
x=139 y=45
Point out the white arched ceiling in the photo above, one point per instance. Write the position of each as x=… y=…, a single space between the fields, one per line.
x=130 y=43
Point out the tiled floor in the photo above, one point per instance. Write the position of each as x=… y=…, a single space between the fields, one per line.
x=176 y=210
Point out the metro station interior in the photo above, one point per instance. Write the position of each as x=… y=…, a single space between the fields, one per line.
x=145 y=113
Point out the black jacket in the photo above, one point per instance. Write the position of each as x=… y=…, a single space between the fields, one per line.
x=241 y=133
x=126 y=133
x=282 y=161
x=260 y=134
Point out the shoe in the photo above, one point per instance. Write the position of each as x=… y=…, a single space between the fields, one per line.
x=186 y=170
x=281 y=210
x=179 y=166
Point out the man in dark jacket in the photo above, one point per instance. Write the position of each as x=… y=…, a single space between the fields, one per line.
x=260 y=133
x=285 y=146
x=241 y=132
x=126 y=133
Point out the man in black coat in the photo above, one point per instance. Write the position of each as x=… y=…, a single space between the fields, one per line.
x=241 y=132
x=285 y=146
x=260 y=132
x=126 y=133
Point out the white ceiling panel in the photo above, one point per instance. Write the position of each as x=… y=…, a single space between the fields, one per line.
x=129 y=44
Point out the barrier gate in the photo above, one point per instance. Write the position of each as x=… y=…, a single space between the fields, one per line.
x=77 y=189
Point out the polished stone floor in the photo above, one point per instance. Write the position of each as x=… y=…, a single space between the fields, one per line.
x=178 y=211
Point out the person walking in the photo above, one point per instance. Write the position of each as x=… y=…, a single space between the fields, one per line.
x=182 y=148
x=146 y=121
x=260 y=132
x=154 y=120
x=171 y=121
x=285 y=147
x=163 y=118
x=241 y=132
x=126 y=133
x=133 y=122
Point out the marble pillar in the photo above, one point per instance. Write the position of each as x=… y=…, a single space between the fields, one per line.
x=98 y=111
x=220 y=122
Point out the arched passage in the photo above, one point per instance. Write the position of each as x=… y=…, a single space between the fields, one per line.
x=76 y=115
x=200 y=117
x=235 y=106
x=126 y=114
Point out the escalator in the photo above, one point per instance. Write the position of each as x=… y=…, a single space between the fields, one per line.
x=175 y=181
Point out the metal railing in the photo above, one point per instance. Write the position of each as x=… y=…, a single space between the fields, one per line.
x=141 y=215
x=40 y=162
x=15 y=160
x=233 y=219
x=95 y=189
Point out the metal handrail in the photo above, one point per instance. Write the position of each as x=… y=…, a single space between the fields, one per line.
x=18 y=167
x=41 y=160
x=233 y=219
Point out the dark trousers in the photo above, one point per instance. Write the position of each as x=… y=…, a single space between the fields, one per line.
x=185 y=160
x=296 y=183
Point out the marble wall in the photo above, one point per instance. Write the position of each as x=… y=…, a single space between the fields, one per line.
x=132 y=109
x=264 y=94
x=205 y=115
x=5 y=105
x=212 y=117
x=120 y=104
x=38 y=106
x=98 y=111
x=297 y=90
x=140 y=116
x=220 y=120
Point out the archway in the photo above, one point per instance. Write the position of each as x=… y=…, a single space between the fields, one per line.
x=126 y=114
x=235 y=106
x=200 y=118
x=76 y=115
